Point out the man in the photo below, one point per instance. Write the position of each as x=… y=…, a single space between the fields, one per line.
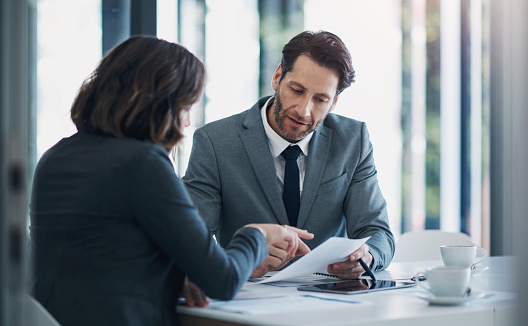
x=236 y=173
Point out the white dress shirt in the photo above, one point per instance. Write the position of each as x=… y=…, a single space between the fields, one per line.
x=277 y=145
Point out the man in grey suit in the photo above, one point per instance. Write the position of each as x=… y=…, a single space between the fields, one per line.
x=236 y=171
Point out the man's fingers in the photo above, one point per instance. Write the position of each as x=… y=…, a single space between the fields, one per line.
x=346 y=271
x=347 y=275
x=361 y=252
x=344 y=266
x=351 y=268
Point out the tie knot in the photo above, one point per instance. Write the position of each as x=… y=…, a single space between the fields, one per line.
x=291 y=152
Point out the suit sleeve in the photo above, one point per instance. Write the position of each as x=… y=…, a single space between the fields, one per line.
x=164 y=210
x=202 y=179
x=366 y=209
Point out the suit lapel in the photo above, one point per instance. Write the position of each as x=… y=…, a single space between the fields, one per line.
x=256 y=145
x=317 y=158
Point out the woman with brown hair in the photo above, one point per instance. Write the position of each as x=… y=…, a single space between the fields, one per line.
x=114 y=230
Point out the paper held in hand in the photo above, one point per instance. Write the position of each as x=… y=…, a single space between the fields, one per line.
x=331 y=251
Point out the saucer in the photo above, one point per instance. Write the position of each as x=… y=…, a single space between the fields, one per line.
x=479 y=269
x=450 y=301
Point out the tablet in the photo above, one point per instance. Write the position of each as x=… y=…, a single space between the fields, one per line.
x=357 y=286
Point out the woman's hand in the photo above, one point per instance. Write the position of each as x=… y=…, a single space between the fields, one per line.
x=284 y=243
x=193 y=295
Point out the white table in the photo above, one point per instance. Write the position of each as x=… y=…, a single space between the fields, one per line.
x=392 y=307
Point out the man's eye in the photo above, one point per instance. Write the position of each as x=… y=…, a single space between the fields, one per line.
x=297 y=91
x=321 y=100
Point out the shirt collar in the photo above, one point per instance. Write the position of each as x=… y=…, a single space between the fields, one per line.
x=277 y=143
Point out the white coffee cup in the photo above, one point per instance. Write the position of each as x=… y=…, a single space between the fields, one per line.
x=462 y=255
x=445 y=281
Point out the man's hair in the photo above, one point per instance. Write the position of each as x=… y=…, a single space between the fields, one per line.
x=138 y=90
x=326 y=49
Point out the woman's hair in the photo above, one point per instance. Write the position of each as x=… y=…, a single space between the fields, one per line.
x=138 y=90
x=326 y=49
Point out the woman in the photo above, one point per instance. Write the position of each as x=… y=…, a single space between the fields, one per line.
x=114 y=229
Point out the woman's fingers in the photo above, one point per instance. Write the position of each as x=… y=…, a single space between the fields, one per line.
x=300 y=232
x=193 y=295
x=285 y=237
x=295 y=241
x=274 y=262
x=278 y=251
x=302 y=249
x=279 y=244
x=299 y=248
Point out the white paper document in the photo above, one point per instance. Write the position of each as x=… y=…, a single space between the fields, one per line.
x=331 y=251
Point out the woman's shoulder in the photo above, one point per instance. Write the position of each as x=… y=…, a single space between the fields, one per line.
x=121 y=151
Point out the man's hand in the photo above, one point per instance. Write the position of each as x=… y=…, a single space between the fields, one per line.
x=284 y=243
x=351 y=268
x=193 y=295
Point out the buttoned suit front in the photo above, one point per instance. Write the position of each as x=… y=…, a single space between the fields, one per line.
x=232 y=179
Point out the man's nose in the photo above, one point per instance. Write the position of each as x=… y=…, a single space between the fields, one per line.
x=305 y=107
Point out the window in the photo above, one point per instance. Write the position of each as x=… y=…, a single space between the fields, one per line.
x=421 y=86
x=68 y=49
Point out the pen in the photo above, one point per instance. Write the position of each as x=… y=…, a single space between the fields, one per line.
x=367 y=269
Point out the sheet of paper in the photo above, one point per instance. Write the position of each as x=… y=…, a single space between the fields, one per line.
x=310 y=279
x=331 y=251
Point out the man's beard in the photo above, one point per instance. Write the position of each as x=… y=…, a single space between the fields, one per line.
x=279 y=119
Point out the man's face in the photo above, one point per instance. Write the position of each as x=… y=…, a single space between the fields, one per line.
x=303 y=98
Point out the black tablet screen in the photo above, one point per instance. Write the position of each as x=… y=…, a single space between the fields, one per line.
x=356 y=286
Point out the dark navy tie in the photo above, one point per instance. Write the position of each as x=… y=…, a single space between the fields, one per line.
x=291 y=195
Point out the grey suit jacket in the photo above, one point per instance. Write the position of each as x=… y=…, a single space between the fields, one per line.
x=232 y=180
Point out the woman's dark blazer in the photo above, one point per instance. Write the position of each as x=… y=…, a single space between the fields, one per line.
x=114 y=232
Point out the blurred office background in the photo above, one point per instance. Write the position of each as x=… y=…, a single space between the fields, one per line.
x=441 y=85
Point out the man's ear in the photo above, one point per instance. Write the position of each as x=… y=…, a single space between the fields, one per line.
x=276 y=78
x=334 y=104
